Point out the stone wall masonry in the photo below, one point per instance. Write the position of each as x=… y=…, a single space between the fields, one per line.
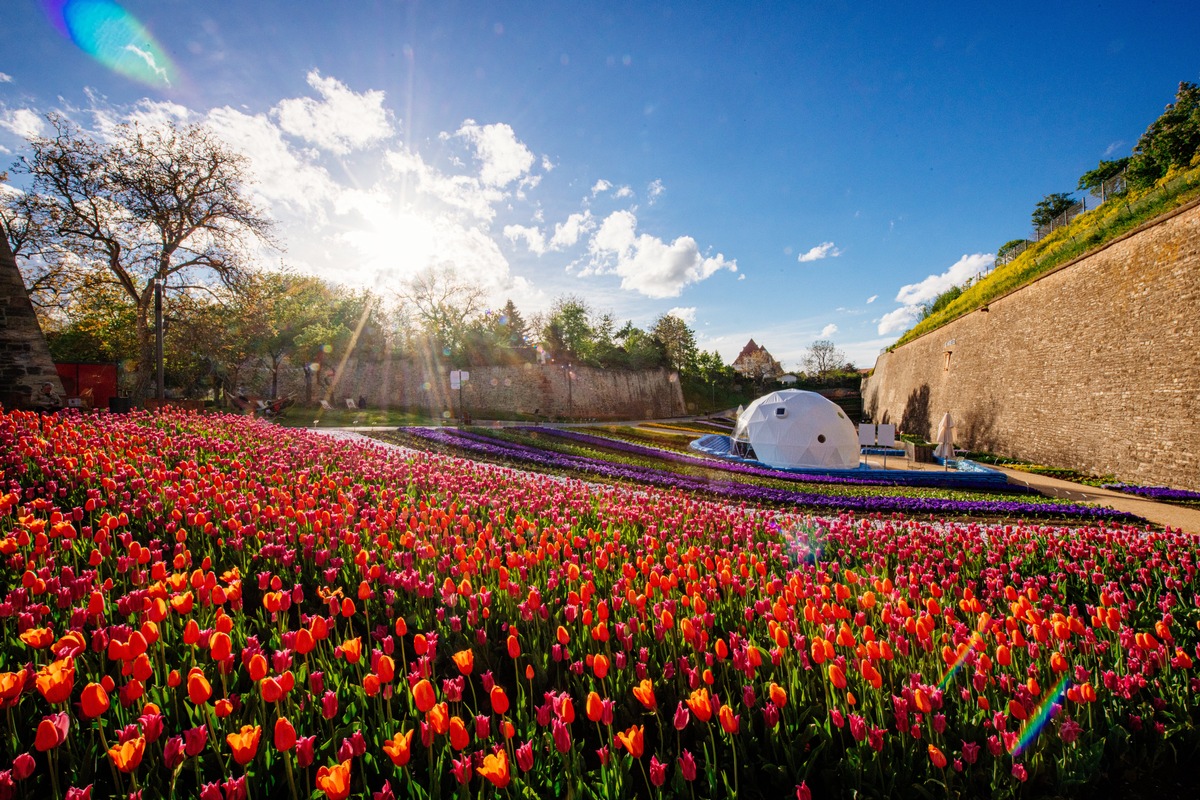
x=25 y=362
x=1094 y=366
x=544 y=390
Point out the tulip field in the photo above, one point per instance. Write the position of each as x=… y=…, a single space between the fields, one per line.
x=212 y=606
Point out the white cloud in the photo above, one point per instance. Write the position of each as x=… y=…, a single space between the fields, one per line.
x=823 y=250
x=341 y=121
x=828 y=330
x=503 y=157
x=154 y=114
x=148 y=57
x=899 y=320
x=566 y=234
x=285 y=179
x=647 y=264
x=685 y=313
x=462 y=192
x=623 y=192
x=600 y=186
x=655 y=190
x=23 y=122
x=535 y=240
x=966 y=267
x=5 y=77
x=872 y=298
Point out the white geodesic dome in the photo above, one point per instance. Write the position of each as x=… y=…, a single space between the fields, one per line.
x=794 y=428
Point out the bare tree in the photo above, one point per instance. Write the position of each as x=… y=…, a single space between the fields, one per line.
x=166 y=204
x=443 y=303
x=823 y=358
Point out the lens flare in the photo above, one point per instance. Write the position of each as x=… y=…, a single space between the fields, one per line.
x=960 y=659
x=1041 y=715
x=112 y=36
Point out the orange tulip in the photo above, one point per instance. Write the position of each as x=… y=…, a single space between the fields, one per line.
x=499 y=700
x=837 y=677
x=285 y=735
x=47 y=736
x=257 y=667
x=198 y=687
x=459 y=738
x=1017 y=710
x=495 y=769
x=424 y=696
x=594 y=707
x=128 y=756
x=11 y=684
x=729 y=723
x=937 y=757
x=385 y=669
x=94 y=701
x=352 y=649
x=465 y=661
x=37 y=638
x=644 y=692
x=514 y=647
x=399 y=748
x=56 y=680
x=439 y=719
x=335 y=781
x=777 y=694
x=701 y=705
x=244 y=743
x=633 y=740
x=922 y=701
x=600 y=666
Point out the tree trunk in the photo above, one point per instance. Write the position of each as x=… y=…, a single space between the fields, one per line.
x=145 y=340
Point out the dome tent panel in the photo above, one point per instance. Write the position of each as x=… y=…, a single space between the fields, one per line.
x=793 y=428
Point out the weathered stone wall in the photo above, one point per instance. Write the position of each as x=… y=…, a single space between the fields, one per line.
x=25 y=362
x=532 y=389
x=1094 y=366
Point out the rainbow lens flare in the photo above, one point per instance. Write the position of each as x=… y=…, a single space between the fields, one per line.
x=112 y=36
x=1040 y=716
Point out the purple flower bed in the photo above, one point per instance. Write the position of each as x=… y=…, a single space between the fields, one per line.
x=1156 y=492
x=987 y=481
x=706 y=463
x=737 y=492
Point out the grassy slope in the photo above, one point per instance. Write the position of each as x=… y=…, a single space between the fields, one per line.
x=1085 y=233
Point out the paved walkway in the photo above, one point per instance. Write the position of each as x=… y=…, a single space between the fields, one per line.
x=1163 y=514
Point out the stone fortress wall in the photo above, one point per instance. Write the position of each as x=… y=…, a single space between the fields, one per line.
x=1094 y=366
x=549 y=391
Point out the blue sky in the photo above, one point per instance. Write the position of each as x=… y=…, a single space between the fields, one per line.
x=781 y=171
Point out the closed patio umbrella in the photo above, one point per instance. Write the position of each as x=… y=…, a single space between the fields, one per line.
x=945 y=437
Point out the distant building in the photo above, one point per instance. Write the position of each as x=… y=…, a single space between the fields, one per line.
x=788 y=379
x=756 y=363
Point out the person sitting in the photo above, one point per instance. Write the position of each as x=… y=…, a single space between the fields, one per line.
x=48 y=399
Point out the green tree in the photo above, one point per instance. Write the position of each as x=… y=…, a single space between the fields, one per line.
x=93 y=324
x=1010 y=250
x=641 y=350
x=1172 y=140
x=678 y=343
x=1096 y=180
x=568 y=333
x=163 y=205
x=1050 y=207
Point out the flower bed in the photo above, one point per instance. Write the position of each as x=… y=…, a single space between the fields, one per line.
x=1161 y=493
x=217 y=607
x=490 y=447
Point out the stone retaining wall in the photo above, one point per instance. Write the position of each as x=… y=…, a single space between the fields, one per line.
x=1094 y=366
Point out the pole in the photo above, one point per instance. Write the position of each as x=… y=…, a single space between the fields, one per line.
x=158 y=335
x=570 y=398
